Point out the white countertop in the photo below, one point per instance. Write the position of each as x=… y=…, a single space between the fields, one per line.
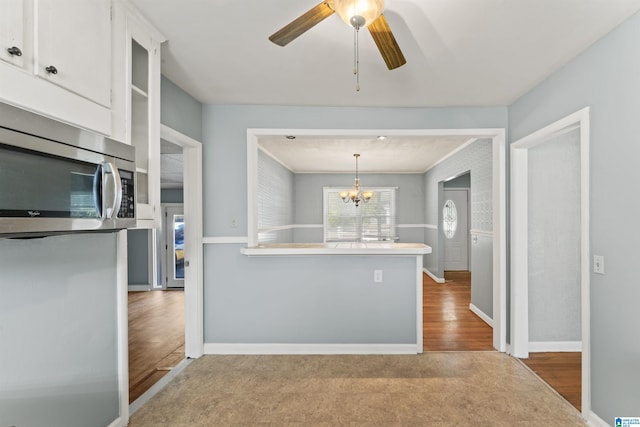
x=338 y=248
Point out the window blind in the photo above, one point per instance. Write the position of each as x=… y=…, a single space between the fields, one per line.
x=371 y=221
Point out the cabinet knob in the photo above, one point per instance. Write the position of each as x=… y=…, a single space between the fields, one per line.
x=51 y=69
x=14 y=51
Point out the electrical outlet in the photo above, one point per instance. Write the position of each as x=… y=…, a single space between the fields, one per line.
x=377 y=276
x=598 y=264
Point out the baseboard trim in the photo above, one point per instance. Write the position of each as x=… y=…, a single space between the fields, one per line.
x=596 y=421
x=555 y=346
x=433 y=276
x=154 y=389
x=481 y=314
x=225 y=348
x=117 y=422
x=138 y=288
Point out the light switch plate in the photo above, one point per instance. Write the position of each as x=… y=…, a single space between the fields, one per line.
x=377 y=276
x=598 y=264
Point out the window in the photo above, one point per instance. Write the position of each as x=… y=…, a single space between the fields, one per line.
x=371 y=221
x=449 y=219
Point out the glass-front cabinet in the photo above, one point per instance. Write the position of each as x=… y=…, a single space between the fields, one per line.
x=138 y=123
x=143 y=116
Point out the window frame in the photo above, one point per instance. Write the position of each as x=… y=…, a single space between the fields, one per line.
x=326 y=191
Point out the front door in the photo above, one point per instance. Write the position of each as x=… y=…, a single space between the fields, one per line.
x=174 y=246
x=455 y=214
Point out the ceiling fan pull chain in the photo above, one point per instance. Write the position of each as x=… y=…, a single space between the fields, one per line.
x=356 y=58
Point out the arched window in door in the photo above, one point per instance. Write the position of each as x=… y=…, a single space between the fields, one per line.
x=449 y=219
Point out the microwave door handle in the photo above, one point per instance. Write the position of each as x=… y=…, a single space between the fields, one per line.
x=98 y=180
x=112 y=211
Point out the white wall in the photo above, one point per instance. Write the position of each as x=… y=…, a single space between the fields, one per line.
x=554 y=239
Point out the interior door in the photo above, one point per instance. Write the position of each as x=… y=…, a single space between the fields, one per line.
x=174 y=246
x=456 y=229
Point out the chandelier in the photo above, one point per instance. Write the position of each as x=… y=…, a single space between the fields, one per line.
x=356 y=195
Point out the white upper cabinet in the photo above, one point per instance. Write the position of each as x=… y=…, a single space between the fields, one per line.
x=55 y=59
x=12 y=32
x=73 y=45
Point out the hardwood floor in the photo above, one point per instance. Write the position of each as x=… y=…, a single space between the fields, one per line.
x=156 y=337
x=562 y=371
x=448 y=324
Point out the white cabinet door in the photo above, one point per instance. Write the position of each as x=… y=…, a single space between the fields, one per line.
x=12 y=47
x=74 y=37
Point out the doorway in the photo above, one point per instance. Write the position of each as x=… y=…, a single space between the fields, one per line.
x=191 y=301
x=550 y=234
x=173 y=245
x=496 y=215
x=455 y=226
x=193 y=273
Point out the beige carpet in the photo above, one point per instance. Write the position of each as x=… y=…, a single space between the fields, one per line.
x=432 y=389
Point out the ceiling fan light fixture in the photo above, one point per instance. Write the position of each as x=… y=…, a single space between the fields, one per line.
x=358 y=13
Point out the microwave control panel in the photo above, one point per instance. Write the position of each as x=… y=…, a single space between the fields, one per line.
x=127 y=206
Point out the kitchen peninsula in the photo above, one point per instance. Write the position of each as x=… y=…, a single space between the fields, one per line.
x=333 y=298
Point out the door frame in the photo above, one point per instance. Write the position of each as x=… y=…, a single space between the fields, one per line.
x=499 y=187
x=193 y=283
x=519 y=240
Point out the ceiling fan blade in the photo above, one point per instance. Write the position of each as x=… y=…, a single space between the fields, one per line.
x=301 y=24
x=386 y=42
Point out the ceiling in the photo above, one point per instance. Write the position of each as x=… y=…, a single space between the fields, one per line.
x=393 y=154
x=459 y=53
x=171 y=166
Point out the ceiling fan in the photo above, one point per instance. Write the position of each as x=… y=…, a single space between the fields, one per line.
x=356 y=13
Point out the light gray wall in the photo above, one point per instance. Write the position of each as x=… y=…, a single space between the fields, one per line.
x=482 y=273
x=554 y=239
x=463 y=181
x=224 y=198
x=323 y=299
x=275 y=199
x=172 y=195
x=58 y=363
x=605 y=78
x=179 y=110
x=225 y=147
x=478 y=159
x=309 y=201
x=138 y=257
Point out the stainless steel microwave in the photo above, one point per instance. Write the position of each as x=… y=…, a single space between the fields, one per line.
x=55 y=178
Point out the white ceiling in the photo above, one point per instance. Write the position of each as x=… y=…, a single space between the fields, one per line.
x=171 y=165
x=459 y=52
x=394 y=154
